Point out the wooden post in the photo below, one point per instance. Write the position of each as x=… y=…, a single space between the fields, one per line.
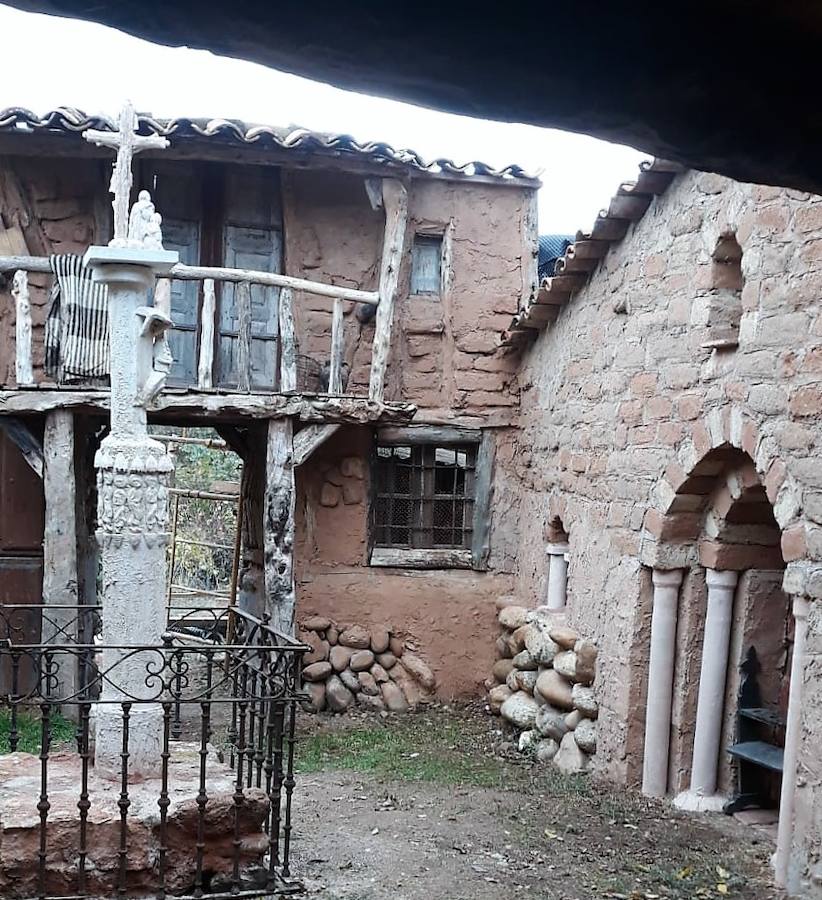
x=278 y=526
x=288 y=343
x=60 y=543
x=205 y=366
x=335 y=385
x=242 y=297
x=22 y=304
x=395 y=200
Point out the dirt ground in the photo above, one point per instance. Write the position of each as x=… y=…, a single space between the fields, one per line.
x=440 y=806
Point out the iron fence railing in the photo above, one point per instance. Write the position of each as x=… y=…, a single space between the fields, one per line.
x=214 y=819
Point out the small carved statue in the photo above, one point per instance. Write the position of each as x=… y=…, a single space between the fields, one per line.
x=144 y=225
x=154 y=354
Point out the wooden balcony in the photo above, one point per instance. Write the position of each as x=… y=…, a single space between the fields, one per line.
x=250 y=369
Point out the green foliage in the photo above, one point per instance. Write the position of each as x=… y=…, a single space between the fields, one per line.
x=198 y=468
x=29 y=727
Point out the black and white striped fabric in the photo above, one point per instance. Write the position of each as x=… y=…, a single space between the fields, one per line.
x=76 y=339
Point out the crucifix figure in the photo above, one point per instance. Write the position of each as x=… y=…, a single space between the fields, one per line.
x=127 y=143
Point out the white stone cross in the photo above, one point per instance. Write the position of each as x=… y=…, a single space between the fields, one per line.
x=127 y=142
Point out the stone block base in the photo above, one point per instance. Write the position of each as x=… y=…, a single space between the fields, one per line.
x=20 y=827
x=693 y=801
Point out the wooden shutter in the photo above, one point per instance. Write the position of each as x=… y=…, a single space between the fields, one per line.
x=259 y=249
x=184 y=237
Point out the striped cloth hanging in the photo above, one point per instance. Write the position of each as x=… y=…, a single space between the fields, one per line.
x=77 y=329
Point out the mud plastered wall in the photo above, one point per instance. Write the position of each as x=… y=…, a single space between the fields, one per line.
x=444 y=354
x=58 y=209
x=621 y=396
x=447 y=614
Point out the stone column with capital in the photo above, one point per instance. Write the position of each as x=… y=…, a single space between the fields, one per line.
x=557 y=575
x=660 y=681
x=702 y=796
x=132 y=476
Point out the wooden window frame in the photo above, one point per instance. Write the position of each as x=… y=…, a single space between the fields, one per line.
x=428 y=236
x=475 y=557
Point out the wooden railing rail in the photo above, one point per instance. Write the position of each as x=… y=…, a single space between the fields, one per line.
x=243 y=278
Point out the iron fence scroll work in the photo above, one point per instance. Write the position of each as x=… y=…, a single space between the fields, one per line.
x=214 y=819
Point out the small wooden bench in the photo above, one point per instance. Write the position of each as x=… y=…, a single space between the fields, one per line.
x=751 y=751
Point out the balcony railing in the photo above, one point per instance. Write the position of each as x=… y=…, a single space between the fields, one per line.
x=284 y=367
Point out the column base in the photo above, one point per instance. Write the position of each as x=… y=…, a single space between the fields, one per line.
x=694 y=801
x=145 y=738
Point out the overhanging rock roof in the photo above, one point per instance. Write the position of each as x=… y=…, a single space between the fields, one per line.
x=291 y=139
x=580 y=260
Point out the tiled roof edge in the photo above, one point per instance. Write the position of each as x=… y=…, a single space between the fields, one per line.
x=575 y=267
x=72 y=121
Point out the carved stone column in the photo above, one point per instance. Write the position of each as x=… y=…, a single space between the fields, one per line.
x=132 y=476
x=660 y=681
x=702 y=796
x=784 y=839
x=557 y=575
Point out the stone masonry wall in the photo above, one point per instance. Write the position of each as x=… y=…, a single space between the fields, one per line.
x=621 y=399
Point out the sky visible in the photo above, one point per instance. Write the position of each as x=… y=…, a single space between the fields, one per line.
x=63 y=62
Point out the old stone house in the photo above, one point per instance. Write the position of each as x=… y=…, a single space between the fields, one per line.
x=393 y=525
x=671 y=420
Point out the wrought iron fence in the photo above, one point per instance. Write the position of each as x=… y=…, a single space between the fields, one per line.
x=211 y=816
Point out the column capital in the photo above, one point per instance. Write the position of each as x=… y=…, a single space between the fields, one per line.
x=557 y=549
x=668 y=577
x=726 y=578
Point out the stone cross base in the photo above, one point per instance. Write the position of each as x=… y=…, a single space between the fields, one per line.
x=20 y=837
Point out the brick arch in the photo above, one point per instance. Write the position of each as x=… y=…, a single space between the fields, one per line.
x=723 y=456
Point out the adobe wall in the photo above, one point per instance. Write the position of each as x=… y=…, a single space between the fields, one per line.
x=445 y=614
x=55 y=205
x=444 y=355
x=617 y=407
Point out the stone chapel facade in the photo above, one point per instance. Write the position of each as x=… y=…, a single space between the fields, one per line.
x=670 y=435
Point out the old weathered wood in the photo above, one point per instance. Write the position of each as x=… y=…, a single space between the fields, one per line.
x=288 y=343
x=401 y=558
x=181 y=272
x=205 y=365
x=335 y=381
x=373 y=188
x=308 y=439
x=28 y=445
x=242 y=297
x=23 y=369
x=60 y=542
x=447 y=263
x=483 y=490
x=429 y=434
x=278 y=526
x=198 y=405
x=530 y=250
x=395 y=200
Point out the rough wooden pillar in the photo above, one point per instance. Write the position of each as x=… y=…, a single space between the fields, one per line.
x=278 y=526
x=251 y=595
x=60 y=543
x=395 y=201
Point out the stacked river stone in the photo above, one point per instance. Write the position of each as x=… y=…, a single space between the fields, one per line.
x=542 y=683
x=372 y=668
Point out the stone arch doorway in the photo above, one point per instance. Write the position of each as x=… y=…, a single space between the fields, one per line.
x=717 y=593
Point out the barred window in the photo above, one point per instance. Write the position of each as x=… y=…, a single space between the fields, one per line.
x=424 y=496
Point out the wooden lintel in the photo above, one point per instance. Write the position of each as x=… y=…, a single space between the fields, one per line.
x=201 y=405
x=307 y=440
x=20 y=435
